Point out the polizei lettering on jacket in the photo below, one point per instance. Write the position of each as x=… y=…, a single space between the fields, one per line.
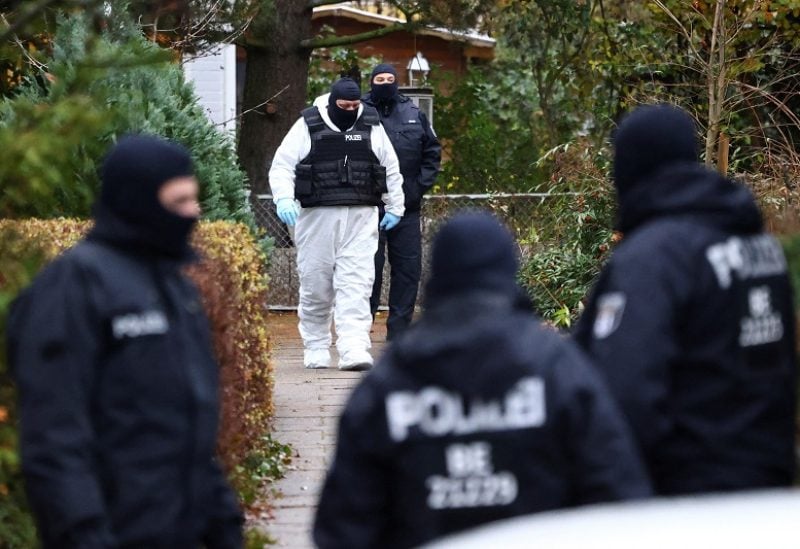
x=437 y=412
x=139 y=324
x=753 y=257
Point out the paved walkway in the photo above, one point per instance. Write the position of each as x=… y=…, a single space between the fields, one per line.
x=307 y=408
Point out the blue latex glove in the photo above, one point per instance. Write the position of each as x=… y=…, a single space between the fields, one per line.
x=287 y=211
x=389 y=221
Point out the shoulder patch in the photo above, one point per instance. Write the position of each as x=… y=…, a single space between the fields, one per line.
x=763 y=324
x=610 y=308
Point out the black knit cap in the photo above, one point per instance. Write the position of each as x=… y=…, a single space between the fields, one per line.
x=383 y=68
x=345 y=88
x=650 y=138
x=134 y=170
x=473 y=252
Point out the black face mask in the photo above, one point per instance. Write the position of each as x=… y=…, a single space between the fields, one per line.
x=343 y=119
x=384 y=92
x=165 y=234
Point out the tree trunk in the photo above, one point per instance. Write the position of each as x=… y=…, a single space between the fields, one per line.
x=722 y=153
x=277 y=72
x=717 y=81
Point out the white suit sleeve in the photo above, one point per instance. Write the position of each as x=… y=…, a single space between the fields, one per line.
x=382 y=147
x=294 y=147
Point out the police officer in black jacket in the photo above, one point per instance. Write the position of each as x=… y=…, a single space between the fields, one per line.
x=419 y=152
x=691 y=321
x=117 y=383
x=475 y=413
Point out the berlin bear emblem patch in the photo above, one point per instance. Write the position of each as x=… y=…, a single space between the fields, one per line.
x=610 y=308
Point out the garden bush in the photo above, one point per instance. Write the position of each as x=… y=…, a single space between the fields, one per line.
x=56 y=127
x=233 y=285
x=232 y=281
x=492 y=114
x=565 y=248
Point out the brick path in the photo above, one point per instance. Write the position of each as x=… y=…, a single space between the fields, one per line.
x=307 y=408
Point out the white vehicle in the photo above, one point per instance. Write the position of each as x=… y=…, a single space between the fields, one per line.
x=746 y=520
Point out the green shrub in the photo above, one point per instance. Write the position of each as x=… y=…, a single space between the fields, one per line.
x=232 y=282
x=492 y=114
x=41 y=149
x=564 y=252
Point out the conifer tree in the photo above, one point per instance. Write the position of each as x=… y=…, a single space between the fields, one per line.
x=103 y=87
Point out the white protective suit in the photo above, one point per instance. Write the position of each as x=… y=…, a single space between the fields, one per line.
x=336 y=245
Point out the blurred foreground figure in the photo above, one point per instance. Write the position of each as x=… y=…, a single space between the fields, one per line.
x=475 y=413
x=692 y=321
x=117 y=382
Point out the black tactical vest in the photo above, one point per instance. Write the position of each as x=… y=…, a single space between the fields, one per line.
x=341 y=169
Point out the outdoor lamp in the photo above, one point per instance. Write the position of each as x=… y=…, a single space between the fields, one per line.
x=418 y=69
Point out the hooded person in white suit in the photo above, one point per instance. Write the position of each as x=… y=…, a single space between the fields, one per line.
x=332 y=170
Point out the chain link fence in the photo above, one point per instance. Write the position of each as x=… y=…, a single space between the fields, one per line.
x=520 y=212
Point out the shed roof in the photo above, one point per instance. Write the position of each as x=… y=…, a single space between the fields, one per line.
x=472 y=38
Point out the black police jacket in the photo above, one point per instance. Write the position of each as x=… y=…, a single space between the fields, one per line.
x=415 y=143
x=119 y=406
x=692 y=324
x=475 y=414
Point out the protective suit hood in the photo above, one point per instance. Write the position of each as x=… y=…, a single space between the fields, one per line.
x=321 y=103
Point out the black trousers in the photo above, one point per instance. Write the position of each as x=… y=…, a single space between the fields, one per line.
x=404 y=244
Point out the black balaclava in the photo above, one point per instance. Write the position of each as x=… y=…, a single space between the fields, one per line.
x=383 y=93
x=128 y=212
x=473 y=252
x=347 y=89
x=649 y=139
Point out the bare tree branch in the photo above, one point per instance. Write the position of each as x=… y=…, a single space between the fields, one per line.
x=687 y=33
x=40 y=66
x=716 y=80
x=254 y=108
x=201 y=39
x=771 y=98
